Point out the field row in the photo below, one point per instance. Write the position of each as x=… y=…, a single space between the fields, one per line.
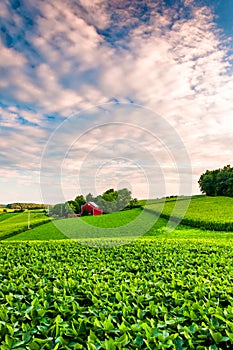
x=211 y=213
x=13 y=223
x=120 y=224
x=86 y=230
x=144 y=295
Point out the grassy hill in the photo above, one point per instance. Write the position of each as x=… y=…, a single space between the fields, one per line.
x=5 y=216
x=129 y=223
x=212 y=213
x=13 y=223
x=78 y=229
x=209 y=213
x=166 y=290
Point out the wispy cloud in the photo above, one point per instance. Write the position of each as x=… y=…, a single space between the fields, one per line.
x=58 y=58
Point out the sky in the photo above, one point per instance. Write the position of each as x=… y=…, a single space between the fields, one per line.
x=96 y=94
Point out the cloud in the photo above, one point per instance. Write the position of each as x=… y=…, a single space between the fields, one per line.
x=84 y=156
x=172 y=60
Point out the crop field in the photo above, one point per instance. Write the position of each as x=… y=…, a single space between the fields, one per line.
x=49 y=231
x=4 y=216
x=45 y=232
x=12 y=223
x=213 y=213
x=2 y=210
x=108 y=226
x=131 y=223
x=150 y=294
x=164 y=290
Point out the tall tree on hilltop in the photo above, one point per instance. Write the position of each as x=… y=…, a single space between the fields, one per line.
x=217 y=182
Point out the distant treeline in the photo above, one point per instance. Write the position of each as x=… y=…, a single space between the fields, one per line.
x=23 y=206
x=217 y=182
x=110 y=201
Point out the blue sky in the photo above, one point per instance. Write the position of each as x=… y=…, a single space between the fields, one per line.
x=147 y=87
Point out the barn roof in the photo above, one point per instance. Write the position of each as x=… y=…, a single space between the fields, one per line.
x=94 y=204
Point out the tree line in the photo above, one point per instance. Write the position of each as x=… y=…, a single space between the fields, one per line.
x=110 y=201
x=218 y=182
x=23 y=206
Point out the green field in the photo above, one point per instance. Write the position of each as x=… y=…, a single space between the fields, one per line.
x=12 y=223
x=203 y=212
x=81 y=232
x=213 y=213
x=209 y=213
x=168 y=289
x=120 y=224
x=151 y=294
x=4 y=216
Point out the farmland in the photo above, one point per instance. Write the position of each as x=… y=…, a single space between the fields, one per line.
x=119 y=224
x=82 y=232
x=12 y=223
x=164 y=290
x=151 y=294
x=203 y=213
x=3 y=210
x=213 y=213
x=5 y=216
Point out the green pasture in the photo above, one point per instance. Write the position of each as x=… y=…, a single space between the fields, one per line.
x=213 y=213
x=82 y=229
x=164 y=289
x=13 y=223
x=8 y=215
x=200 y=212
x=116 y=225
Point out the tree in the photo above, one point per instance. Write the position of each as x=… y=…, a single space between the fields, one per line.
x=134 y=203
x=123 y=199
x=89 y=197
x=77 y=203
x=22 y=206
x=110 y=195
x=73 y=206
x=17 y=206
x=207 y=183
x=112 y=200
x=85 y=212
x=79 y=200
x=59 y=210
x=217 y=182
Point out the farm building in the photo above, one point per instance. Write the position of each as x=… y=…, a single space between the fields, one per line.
x=91 y=208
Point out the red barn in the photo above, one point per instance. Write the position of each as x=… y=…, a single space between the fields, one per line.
x=91 y=208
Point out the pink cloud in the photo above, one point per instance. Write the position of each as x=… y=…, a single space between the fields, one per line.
x=177 y=67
